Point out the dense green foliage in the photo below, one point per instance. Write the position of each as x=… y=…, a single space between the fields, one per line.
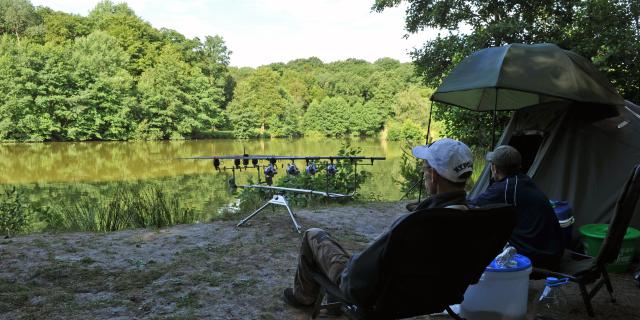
x=309 y=97
x=112 y=76
x=605 y=31
x=107 y=76
x=16 y=212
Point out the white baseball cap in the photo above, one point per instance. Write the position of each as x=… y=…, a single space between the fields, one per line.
x=450 y=158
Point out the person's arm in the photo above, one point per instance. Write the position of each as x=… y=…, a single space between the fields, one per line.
x=493 y=194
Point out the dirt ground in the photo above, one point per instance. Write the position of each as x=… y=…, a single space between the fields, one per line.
x=202 y=271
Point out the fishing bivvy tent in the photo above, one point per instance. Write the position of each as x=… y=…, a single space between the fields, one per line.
x=578 y=152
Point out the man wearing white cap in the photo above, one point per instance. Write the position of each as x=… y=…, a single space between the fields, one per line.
x=448 y=164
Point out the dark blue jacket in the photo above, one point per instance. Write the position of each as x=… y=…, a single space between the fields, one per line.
x=537 y=234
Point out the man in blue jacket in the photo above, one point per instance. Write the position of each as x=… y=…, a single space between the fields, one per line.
x=537 y=234
x=447 y=165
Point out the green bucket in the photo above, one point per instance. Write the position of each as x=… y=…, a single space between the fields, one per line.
x=594 y=235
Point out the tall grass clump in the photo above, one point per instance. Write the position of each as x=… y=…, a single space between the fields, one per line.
x=479 y=162
x=16 y=212
x=130 y=206
x=410 y=173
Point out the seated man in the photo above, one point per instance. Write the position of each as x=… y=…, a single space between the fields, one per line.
x=537 y=234
x=448 y=163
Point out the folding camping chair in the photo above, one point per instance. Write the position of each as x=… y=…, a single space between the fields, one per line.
x=430 y=259
x=584 y=269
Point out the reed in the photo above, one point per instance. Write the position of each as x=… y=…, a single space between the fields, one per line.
x=130 y=206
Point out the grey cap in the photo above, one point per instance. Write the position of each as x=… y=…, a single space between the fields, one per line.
x=505 y=156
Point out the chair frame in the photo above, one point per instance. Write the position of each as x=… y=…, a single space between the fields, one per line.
x=597 y=271
x=352 y=311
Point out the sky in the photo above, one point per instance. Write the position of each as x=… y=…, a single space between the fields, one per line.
x=260 y=32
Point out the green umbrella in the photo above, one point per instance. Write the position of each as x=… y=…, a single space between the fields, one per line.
x=515 y=76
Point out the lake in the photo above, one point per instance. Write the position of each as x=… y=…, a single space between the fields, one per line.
x=61 y=173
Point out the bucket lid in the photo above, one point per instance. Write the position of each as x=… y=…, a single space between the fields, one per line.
x=566 y=222
x=522 y=263
x=599 y=231
x=554 y=282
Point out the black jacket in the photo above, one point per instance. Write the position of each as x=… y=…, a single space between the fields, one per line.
x=537 y=234
x=360 y=280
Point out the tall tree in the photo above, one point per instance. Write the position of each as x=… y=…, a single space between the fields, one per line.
x=214 y=60
x=259 y=97
x=177 y=101
x=330 y=117
x=104 y=89
x=16 y=16
x=138 y=38
x=59 y=27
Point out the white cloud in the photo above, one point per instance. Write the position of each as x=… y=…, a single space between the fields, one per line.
x=264 y=31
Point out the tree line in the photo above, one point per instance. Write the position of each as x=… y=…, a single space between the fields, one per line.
x=112 y=76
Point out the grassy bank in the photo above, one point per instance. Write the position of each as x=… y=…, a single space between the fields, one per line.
x=111 y=206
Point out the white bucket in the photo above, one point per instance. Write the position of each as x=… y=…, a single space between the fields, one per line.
x=501 y=293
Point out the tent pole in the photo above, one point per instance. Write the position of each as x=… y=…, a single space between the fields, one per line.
x=429 y=125
x=493 y=130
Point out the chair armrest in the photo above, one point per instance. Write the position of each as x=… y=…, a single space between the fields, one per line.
x=550 y=273
x=580 y=256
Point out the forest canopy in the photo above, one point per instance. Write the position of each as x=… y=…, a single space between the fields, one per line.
x=112 y=76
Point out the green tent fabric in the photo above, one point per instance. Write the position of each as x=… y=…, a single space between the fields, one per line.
x=516 y=76
x=577 y=152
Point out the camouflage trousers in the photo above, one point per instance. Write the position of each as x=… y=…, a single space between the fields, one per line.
x=318 y=252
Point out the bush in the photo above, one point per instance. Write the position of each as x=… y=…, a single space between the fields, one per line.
x=16 y=213
x=405 y=131
x=410 y=174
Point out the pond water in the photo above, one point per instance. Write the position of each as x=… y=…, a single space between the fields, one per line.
x=58 y=172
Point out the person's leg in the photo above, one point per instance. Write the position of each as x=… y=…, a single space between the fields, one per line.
x=318 y=252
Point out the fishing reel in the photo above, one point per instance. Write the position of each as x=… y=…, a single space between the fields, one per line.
x=269 y=172
x=331 y=169
x=292 y=169
x=311 y=168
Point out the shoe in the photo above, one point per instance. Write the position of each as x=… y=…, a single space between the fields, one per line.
x=291 y=300
x=334 y=311
x=411 y=206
